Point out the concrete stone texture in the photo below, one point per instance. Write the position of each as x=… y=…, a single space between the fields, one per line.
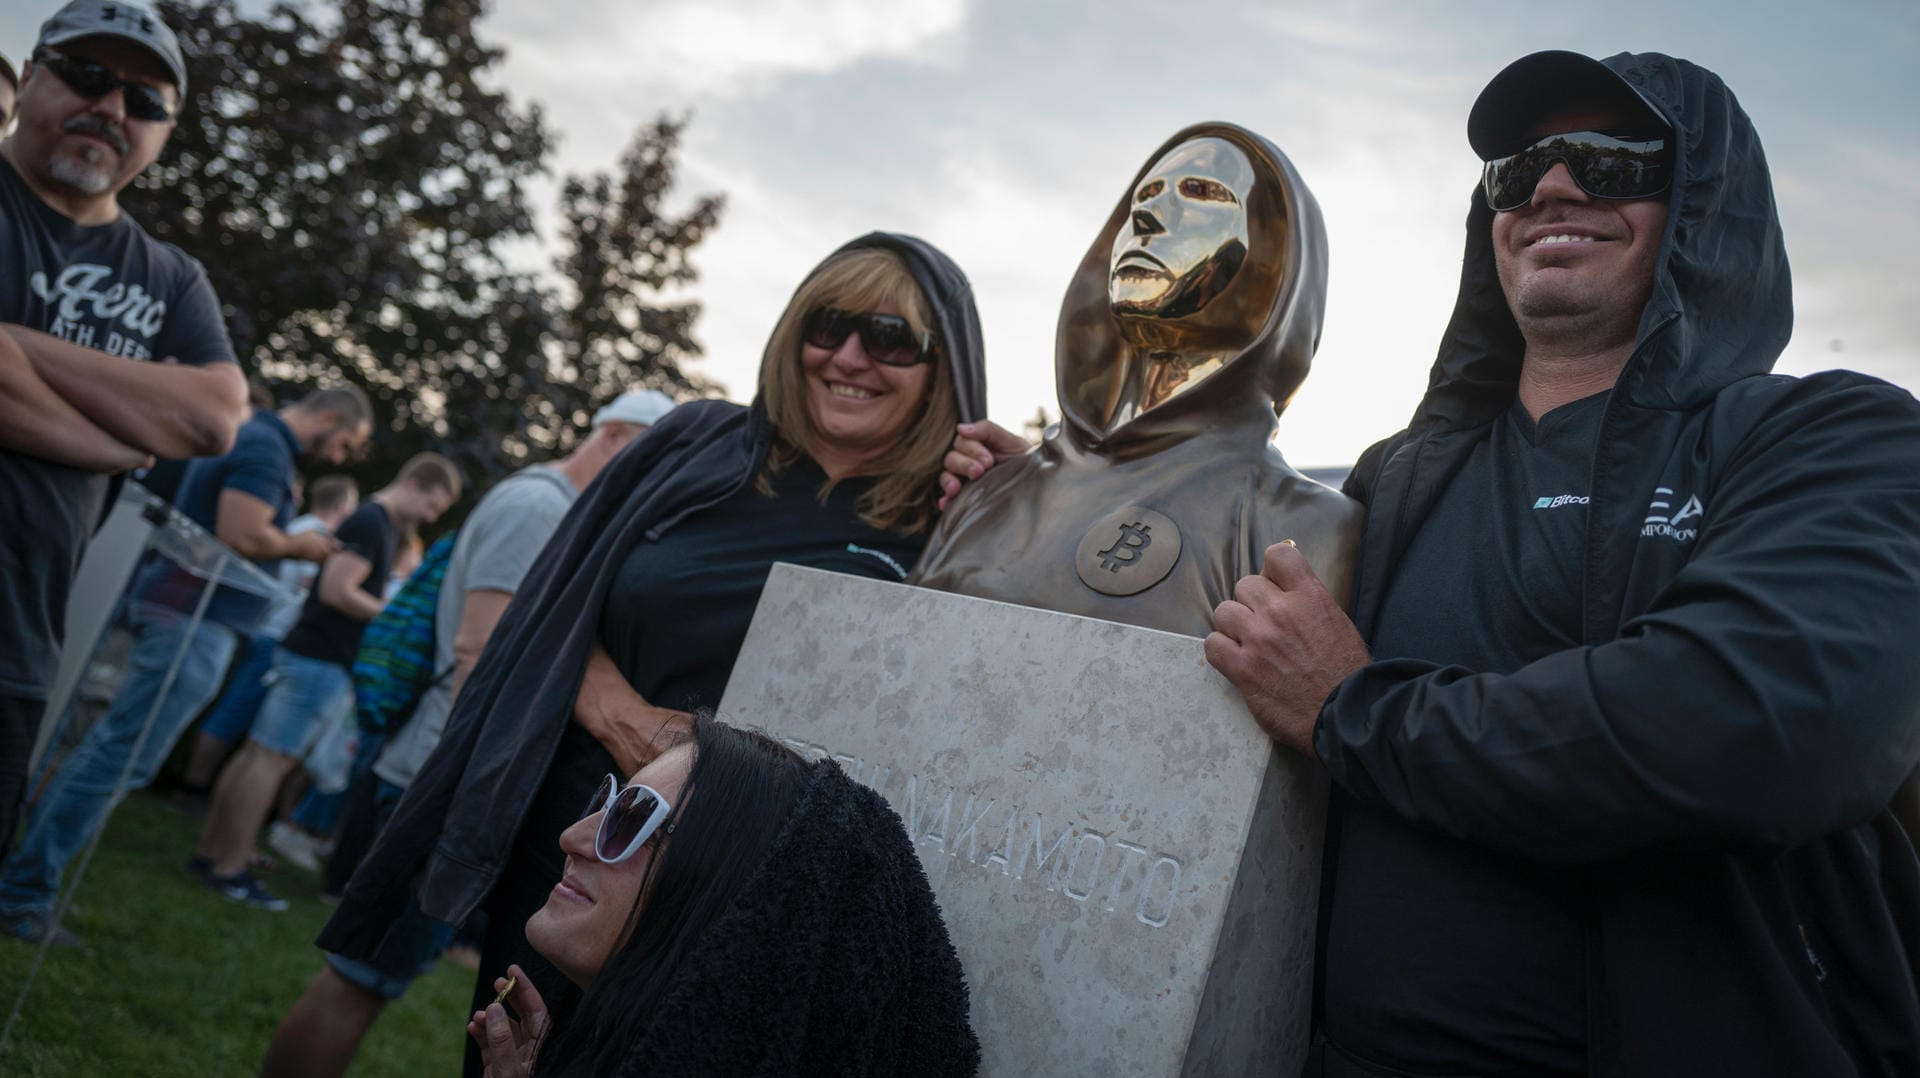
x=1127 y=865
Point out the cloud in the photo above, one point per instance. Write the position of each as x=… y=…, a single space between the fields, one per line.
x=1010 y=152
x=713 y=45
x=703 y=49
x=1003 y=130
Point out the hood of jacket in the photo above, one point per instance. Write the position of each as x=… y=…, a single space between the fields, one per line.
x=956 y=319
x=1722 y=302
x=832 y=960
x=1273 y=307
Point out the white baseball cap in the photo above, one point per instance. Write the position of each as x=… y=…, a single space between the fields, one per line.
x=643 y=407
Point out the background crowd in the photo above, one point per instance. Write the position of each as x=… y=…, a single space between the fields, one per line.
x=1613 y=798
x=328 y=705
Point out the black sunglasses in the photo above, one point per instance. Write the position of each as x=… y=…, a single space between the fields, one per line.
x=887 y=338
x=92 y=80
x=1603 y=166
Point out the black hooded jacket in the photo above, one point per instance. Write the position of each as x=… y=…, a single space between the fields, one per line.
x=832 y=961
x=454 y=830
x=1717 y=759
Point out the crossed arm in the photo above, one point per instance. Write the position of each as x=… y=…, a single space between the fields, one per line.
x=98 y=410
x=39 y=422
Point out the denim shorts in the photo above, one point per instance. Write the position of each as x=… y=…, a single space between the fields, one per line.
x=304 y=697
x=411 y=948
x=412 y=945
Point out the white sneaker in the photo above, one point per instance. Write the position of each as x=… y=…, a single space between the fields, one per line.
x=294 y=845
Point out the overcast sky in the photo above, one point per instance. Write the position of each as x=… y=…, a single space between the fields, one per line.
x=1004 y=130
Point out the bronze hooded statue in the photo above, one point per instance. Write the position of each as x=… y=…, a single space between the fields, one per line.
x=1189 y=324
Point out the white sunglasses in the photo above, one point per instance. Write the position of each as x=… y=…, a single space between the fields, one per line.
x=631 y=815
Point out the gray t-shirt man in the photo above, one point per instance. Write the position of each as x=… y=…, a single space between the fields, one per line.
x=495 y=549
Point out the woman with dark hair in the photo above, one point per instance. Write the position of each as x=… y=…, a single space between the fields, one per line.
x=637 y=608
x=735 y=911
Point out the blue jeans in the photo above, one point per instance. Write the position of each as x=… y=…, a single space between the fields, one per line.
x=232 y=717
x=75 y=805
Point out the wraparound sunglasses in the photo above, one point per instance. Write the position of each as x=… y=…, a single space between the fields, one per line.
x=94 y=81
x=887 y=338
x=1603 y=166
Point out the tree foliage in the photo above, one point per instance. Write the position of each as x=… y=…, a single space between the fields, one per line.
x=352 y=179
x=621 y=250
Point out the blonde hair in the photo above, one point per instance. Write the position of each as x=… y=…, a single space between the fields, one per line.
x=905 y=497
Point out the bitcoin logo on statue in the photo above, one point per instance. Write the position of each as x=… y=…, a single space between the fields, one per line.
x=1127 y=551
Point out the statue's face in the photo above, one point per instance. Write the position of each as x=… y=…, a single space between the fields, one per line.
x=1187 y=234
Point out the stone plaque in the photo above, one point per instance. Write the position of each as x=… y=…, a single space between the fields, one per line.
x=1127 y=865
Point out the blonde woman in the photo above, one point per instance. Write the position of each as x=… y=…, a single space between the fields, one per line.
x=639 y=605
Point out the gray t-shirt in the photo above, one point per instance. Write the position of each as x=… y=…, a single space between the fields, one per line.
x=115 y=289
x=495 y=549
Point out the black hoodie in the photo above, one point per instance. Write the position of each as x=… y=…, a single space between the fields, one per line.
x=832 y=961
x=1716 y=760
x=454 y=830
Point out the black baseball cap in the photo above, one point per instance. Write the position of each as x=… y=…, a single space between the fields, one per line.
x=1532 y=88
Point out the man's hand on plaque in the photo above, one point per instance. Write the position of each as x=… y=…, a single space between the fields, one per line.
x=976 y=448
x=1285 y=644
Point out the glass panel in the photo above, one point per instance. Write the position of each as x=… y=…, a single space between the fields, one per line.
x=158 y=610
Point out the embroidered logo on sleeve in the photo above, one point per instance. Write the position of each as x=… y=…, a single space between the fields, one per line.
x=1667 y=525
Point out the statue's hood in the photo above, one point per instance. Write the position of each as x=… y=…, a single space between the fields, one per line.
x=1091 y=356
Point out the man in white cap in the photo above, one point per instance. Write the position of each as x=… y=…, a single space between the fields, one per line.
x=112 y=346
x=496 y=548
x=637 y=408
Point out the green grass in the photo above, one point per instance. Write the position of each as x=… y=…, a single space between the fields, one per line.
x=172 y=979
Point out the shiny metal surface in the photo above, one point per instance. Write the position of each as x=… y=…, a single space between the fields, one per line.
x=1186 y=235
x=1190 y=322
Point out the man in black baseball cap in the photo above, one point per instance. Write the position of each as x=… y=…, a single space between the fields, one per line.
x=90 y=306
x=1629 y=681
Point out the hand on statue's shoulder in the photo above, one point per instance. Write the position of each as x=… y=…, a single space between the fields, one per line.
x=977 y=448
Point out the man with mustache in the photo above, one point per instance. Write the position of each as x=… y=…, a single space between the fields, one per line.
x=112 y=346
x=1629 y=683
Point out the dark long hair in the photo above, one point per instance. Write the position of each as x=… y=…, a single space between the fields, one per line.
x=741 y=789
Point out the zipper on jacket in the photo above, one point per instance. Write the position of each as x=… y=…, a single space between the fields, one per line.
x=1819 y=968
